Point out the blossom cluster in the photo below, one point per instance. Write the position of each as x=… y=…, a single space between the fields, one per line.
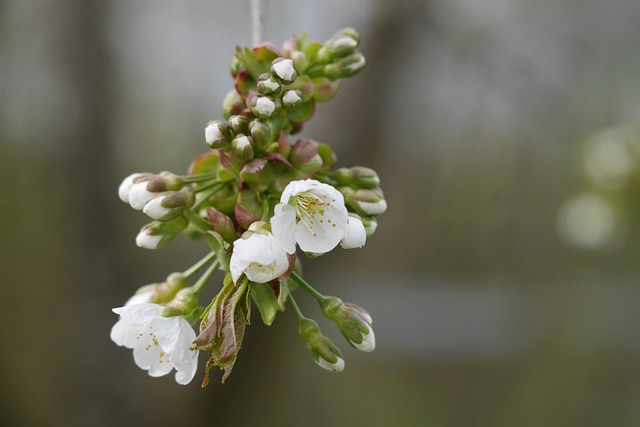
x=259 y=199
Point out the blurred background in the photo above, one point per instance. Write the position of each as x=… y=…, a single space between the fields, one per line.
x=503 y=279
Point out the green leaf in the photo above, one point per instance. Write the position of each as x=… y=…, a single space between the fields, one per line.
x=218 y=246
x=265 y=299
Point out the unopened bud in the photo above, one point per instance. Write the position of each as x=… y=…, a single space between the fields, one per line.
x=169 y=205
x=239 y=124
x=261 y=135
x=357 y=177
x=291 y=99
x=283 y=69
x=233 y=104
x=370 y=225
x=263 y=106
x=268 y=85
x=354 y=322
x=322 y=350
x=217 y=134
x=304 y=156
x=242 y=148
x=223 y=225
x=356 y=235
x=125 y=187
x=158 y=233
x=365 y=201
x=182 y=304
x=324 y=89
x=159 y=293
x=139 y=196
x=348 y=66
x=342 y=43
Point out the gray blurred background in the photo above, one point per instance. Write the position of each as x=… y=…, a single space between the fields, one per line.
x=488 y=309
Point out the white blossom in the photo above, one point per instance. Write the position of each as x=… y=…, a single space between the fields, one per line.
x=242 y=143
x=356 y=235
x=260 y=257
x=311 y=214
x=159 y=343
x=212 y=133
x=155 y=209
x=291 y=97
x=368 y=343
x=125 y=188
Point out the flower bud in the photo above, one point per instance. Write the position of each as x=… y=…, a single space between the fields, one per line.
x=217 y=134
x=159 y=293
x=258 y=174
x=139 y=196
x=353 y=321
x=282 y=69
x=341 y=44
x=322 y=350
x=242 y=148
x=263 y=106
x=348 y=66
x=356 y=235
x=268 y=85
x=168 y=205
x=239 y=124
x=304 y=156
x=299 y=59
x=125 y=188
x=261 y=135
x=291 y=99
x=157 y=234
x=357 y=177
x=223 y=225
x=324 y=89
x=232 y=104
x=365 y=201
x=370 y=225
x=182 y=304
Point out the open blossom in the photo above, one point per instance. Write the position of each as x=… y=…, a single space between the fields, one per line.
x=159 y=343
x=311 y=214
x=260 y=257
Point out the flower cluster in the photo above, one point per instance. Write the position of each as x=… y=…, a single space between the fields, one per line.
x=257 y=196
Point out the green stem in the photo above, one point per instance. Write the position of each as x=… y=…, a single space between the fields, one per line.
x=212 y=189
x=295 y=308
x=197 y=266
x=196 y=220
x=307 y=287
x=265 y=209
x=199 y=285
x=199 y=177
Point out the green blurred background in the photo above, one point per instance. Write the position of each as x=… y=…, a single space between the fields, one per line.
x=488 y=309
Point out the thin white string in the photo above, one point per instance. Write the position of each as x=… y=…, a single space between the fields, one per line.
x=259 y=21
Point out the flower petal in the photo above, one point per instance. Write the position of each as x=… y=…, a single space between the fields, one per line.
x=356 y=235
x=139 y=313
x=283 y=226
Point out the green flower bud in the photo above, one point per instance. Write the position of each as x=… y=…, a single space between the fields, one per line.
x=291 y=99
x=369 y=202
x=300 y=61
x=357 y=177
x=370 y=225
x=233 y=104
x=239 y=125
x=304 y=156
x=223 y=225
x=182 y=304
x=322 y=350
x=324 y=89
x=168 y=205
x=341 y=44
x=217 y=134
x=268 y=85
x=159 y=293
x=353 y=321
x=242 y=148
x=348 y=66
x=261 y=135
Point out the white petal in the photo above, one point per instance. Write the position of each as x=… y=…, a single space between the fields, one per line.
x=155 y=209
x=139 y=196
x=291 y=97
x=266 y=273
x=331 y=367
x=368 y=343
x=265 y=106
x=324 y=231
x=140 y=313
x=147 y=241
x=373 y=208
x=242 y=143
x=186 y=370
x=125 y=187
x=124 y=333
x=372 y=227
x=283 y=225
x=140 y=298
x=284 y=69
x=356 y=235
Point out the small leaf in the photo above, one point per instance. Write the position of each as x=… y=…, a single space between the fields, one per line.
x=266 y=301
x=218 y=246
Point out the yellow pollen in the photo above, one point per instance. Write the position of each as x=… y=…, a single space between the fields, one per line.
x=333 y=225
x=315 y=234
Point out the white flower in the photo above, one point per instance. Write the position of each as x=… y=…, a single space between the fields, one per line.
x=338 y=366
x=140 y=297
x=139 y=196
x=212 y=133
x=356 y=235
x=155 y=209
x=284 y=69
x=242 y=143
x=146 y=240
x=373 y=208
x=311 y=214
x=260 y=257
x=125 y=187
x=264 y=106
x=159 y=343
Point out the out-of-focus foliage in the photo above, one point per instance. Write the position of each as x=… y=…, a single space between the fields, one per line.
x=474 y=113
